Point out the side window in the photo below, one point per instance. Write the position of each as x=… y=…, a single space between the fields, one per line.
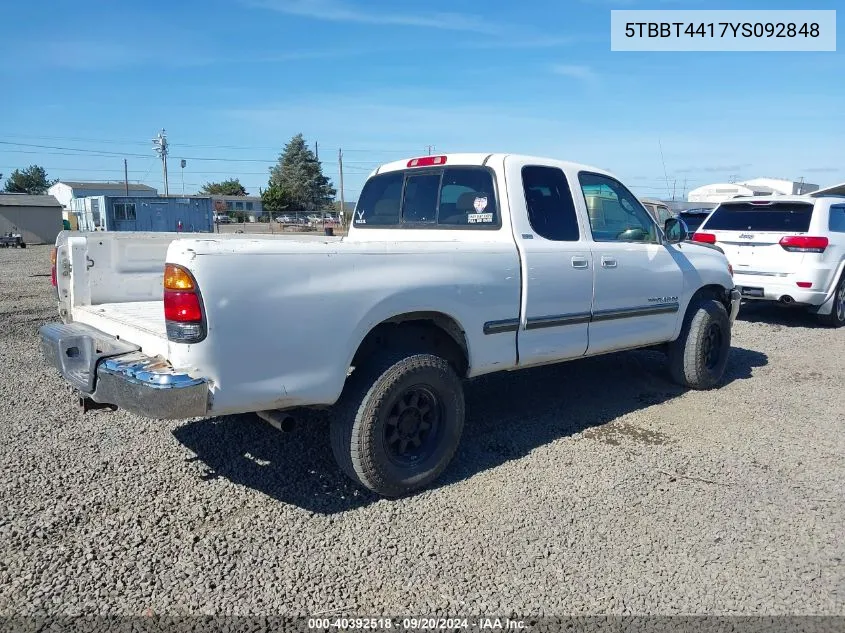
x=124 y=210
x=663 y=214
x=551 y=211
x=837 y=218
x=467 y=198
x=615 y=213
x=380 y=200
x=420 y=201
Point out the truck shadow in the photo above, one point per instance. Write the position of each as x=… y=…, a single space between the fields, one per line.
x=508 y=416
x=773 y=314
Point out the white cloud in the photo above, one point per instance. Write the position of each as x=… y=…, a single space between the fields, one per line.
x=338 y=11
x=575 y=71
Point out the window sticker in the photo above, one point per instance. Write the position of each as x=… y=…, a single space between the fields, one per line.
x=479 y=218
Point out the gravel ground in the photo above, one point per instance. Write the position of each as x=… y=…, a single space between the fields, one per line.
x=592 y=487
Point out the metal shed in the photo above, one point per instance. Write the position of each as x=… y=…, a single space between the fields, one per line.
x=37 y=218
x=146 y=213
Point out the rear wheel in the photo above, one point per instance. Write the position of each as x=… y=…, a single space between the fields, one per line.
x=698 y=357
x=836 y=318
x=398 y=422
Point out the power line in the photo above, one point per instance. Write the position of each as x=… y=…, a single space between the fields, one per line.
x=200 y=146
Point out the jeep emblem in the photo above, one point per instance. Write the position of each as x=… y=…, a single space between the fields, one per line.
x=746 y=236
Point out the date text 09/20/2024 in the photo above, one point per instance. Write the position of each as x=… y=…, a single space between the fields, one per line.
x=416 y=624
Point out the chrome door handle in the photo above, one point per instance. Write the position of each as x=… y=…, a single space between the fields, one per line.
x=579 y=262
x=608 y=262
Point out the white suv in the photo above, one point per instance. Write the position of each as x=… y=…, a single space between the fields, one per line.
x=789 y=249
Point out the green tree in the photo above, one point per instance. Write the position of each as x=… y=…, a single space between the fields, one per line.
x=276 y=199
x=231 y=187
x=300 y=174
x=32 y=180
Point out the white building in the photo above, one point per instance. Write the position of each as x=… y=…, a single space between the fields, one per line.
x=720 y=192
x=66 y=190
x=783 y=187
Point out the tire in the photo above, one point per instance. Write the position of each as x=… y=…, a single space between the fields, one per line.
x=697 y=358
x=836 y=318
x=398 y=422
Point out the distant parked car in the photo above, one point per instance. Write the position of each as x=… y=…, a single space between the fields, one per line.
x=693 y=219
x=788 y=249
x=658 y=209
x=222 y=218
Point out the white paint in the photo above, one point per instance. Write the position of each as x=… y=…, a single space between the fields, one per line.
x=760 y=261
x=319 y=297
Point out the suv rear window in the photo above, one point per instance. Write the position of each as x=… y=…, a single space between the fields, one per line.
x=781 y=217
x=448 y=197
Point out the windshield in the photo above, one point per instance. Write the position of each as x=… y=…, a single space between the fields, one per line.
x=781 y=217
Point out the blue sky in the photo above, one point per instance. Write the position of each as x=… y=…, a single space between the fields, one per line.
x=232 y=80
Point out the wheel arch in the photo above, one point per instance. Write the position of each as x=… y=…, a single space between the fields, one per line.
x=707 y=291
x=432 y=331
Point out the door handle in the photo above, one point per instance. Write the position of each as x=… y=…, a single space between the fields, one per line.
x=608 y=262
x=579 y=262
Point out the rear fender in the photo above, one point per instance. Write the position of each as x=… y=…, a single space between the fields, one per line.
x=827 y=307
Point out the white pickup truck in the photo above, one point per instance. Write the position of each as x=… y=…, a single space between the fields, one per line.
x=454 y=266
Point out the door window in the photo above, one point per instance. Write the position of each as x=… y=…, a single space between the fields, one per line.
x=551 y=211
x=615 y=213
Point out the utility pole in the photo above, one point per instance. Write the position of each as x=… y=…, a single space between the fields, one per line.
x=316 y=151
x=674 y=183
x=430 y=148
x=126 y=177
x=342 y=203
x=183 y=163
x=160 y=147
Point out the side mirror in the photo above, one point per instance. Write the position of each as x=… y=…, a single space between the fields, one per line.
x=676 y=230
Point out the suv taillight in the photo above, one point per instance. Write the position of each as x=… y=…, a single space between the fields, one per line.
x=183 y=311
x=804 y=244
x=704 y=238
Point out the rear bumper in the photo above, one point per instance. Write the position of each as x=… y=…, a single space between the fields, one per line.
x=763 y=288
x=112 y=371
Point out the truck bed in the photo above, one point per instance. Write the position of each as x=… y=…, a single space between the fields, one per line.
x=139 y=322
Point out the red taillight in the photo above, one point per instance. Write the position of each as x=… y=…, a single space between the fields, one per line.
x=183 y=307
x=183 y=310
x=804 y=284
x=704 y=238
x=427 y=161
x=53 y=258
x=804 y=244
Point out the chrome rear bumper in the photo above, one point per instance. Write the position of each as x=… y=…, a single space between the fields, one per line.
x=111 y=371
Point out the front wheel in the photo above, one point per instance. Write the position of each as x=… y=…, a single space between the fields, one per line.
x=697 y=358
x=398 y=422
x=836 y=318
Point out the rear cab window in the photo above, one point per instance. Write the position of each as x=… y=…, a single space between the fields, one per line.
x=445 y=197
x=778 y=217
